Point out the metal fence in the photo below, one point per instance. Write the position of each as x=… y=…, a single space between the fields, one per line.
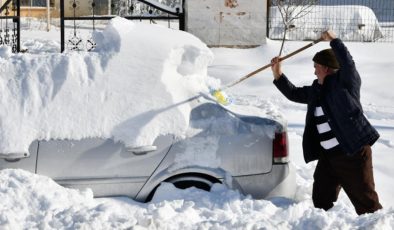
x=352 y=20
x=129 y=9
x=10 y=24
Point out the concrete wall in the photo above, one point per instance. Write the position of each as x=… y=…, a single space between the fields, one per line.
x=228 y=23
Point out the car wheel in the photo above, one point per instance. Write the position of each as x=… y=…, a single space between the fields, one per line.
x=188 y=181
x=199 y=181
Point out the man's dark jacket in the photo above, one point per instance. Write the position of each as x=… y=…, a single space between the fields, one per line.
x=340 y=100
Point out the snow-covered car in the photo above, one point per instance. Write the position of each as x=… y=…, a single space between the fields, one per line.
x=134 y=114
x=350 y=22
x=229 y=148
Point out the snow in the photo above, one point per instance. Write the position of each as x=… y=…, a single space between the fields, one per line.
x=38 y=91
x=351 y=23
x=36 y=202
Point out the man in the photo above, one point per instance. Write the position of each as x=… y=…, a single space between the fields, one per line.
x=337 y=134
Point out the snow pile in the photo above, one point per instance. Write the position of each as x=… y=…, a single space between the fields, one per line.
x=5 y=52
x=132 y=89
x=36 y=202
x=351 y=23
x=26 y=202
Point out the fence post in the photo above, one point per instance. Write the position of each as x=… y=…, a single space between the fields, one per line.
x=268 y=18
x=48 y=16
x=182 y=21
x=18 y=25
x=61 y=26
x=182 y=17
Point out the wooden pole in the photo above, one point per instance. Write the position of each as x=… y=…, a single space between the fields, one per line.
x=269 y=65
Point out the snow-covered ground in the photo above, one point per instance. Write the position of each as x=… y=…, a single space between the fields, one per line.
x=36 y=202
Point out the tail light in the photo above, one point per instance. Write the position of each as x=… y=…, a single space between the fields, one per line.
x=280 y=149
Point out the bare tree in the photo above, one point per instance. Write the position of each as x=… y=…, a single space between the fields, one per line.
x=291 y=10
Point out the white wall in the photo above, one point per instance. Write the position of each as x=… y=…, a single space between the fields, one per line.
x=218 y=24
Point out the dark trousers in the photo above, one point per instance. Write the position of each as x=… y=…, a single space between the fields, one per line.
x=353 y=173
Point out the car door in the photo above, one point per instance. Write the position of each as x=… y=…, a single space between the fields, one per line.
x=20 y=161
x=105 y=166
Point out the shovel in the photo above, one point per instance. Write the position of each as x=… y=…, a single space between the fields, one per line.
x=222 y=99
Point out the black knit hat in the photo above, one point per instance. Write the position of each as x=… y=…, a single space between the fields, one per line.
x=327 y=58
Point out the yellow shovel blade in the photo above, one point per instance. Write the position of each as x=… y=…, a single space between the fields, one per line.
x=220 y=97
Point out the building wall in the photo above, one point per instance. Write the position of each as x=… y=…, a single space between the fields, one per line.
x=228 y=23
x=84 y=7
x=38 y=12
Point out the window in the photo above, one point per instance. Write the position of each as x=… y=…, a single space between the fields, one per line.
x=41 y=3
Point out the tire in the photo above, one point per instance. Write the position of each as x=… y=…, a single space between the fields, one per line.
x=187 y=181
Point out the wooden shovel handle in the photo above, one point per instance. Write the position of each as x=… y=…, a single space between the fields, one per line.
x=269 y=65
